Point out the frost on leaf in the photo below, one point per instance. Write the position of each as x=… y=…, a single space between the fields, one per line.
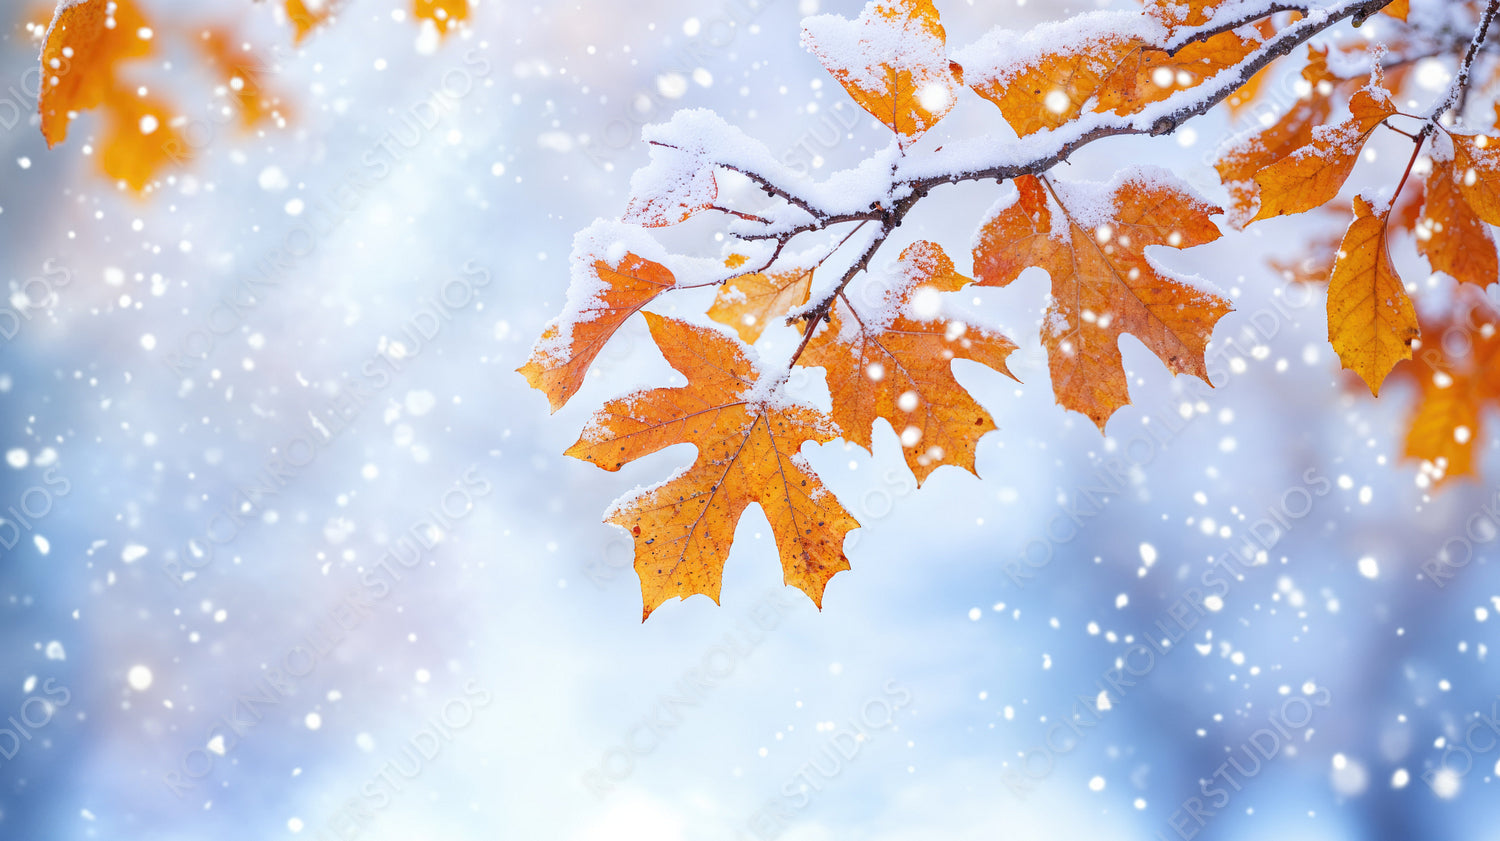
x=81 y=55
x=1450 y=235
x=1371 y=321
x=749 y=302
x=894 y=362
x=679 y=181
x=892 y=60
x=1246 y=156
x=602 y=297
x=1103 y=283
x=1096 y=62
x=1477 y=168
x=749 y=444
x=1312 y=175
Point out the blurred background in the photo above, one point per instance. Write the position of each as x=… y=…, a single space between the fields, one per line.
x=228 y=397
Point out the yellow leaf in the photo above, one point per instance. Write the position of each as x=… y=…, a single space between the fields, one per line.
x=751 y=301
x=749 y=451
x=1371 y=321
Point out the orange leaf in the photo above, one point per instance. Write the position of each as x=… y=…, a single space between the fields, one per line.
x=242 y=73
x=1477 y=163
x=892 y=60
x=751 y=301
x=1180 y=13
x=1398 y=9
x=80 y=56
x=1312 y=175
x=444 y=13
x=891 y=363
x=139 y=140
x=1452 y=238
x=749 y=451
x=1049 y=76
x=1455 y=380
x=1240 y=162
x=1103 y=284
x=1371 y=321
x=307 y=15
x=569 y=344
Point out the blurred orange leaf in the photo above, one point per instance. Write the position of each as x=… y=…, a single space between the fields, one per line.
x=307 y=15
x=242 y=73
x=445 y=14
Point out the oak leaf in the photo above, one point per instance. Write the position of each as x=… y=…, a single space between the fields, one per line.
x=892 y=60
x=749 y=451
x=1477 y=167
x=891 y=362
x=600 y=301
x=1312 y=175
x=81 y=53
x=749 y=302
x=1057 y=72
x=1103 y=283
x=1450 y=235
x=1371 y=321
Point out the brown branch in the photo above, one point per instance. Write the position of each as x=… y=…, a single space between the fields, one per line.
x=1458 y=94
x=913 y=190
x=1282 y=44
x=762 y=181
x=1181 y=42
x=820 y=310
